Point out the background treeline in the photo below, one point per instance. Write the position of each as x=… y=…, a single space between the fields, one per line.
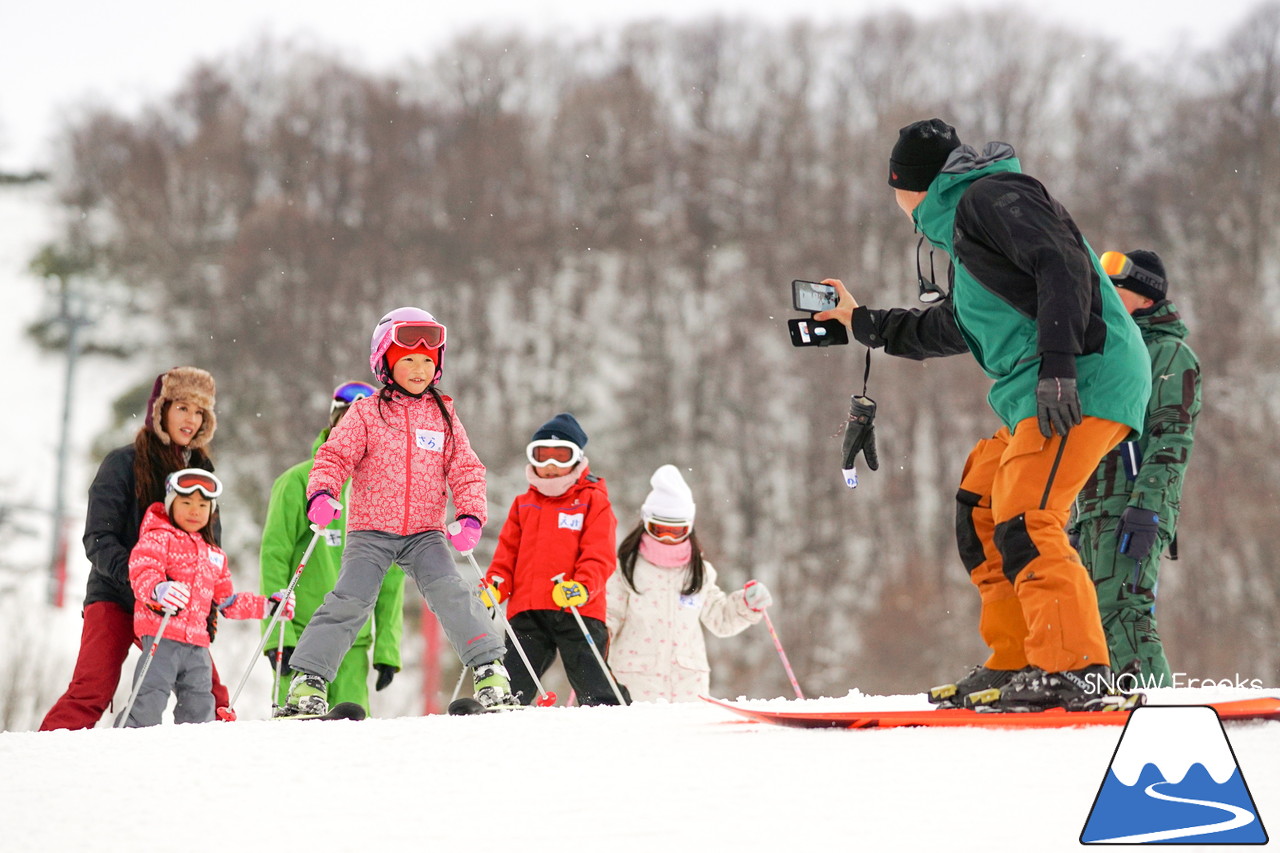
x=609 y=225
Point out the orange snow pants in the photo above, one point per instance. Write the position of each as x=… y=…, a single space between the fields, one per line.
x=1039 y=606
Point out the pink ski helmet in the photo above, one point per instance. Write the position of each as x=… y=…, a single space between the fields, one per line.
x=381 y=341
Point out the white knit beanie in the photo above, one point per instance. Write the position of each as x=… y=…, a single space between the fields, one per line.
x=671 y=498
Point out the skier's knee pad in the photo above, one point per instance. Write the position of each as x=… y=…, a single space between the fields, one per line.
x=1015 y=545
x=969 y=544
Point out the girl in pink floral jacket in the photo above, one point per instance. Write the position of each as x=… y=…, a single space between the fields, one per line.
x=405 y=452
x=176 y=569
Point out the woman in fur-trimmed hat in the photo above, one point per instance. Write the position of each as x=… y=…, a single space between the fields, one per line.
x=178 y=428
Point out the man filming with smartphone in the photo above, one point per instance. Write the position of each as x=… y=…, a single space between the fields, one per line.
x=1030 y=301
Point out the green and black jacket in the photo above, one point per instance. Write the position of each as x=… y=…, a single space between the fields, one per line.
x=1028 y=296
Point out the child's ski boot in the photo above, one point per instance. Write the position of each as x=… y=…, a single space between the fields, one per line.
x=493 y=686
x=308 y=695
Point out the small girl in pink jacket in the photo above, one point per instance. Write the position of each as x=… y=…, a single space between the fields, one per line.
x=175 y=568
x=405 y=452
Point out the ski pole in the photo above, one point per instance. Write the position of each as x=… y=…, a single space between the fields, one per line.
x=275 y=617
x=275 y=683
x=146 y=665
x=604 y=667
x=545 y=698
x=786 y=664
x=457 y=688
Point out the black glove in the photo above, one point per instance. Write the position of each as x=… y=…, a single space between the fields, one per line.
x=1137 y=532
x=1057 y=405
x=386 y=672
x=1073 y=536
x=860 y=433
x=288 y=653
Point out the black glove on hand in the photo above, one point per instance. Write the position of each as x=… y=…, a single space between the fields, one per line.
x=860 y=433
x=1137 y=532
x=288 y=653
x=386 y=672
x=1057 y=405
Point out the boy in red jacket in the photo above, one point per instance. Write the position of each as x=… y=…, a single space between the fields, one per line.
x=175 y=568
x=564 y=524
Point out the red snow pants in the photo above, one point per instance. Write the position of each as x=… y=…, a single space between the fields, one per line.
x=104 y=645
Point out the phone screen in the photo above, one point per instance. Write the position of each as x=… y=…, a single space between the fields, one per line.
x=813 y=296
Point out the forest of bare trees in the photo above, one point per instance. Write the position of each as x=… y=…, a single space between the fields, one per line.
x=609 y=225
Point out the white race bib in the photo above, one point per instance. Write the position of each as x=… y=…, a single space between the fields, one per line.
x=570 y=521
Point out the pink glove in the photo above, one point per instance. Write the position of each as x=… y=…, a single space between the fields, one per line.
x=290 y=602
x=322 y=509
x=172 y=595
x=464 y=534
x=757 y=596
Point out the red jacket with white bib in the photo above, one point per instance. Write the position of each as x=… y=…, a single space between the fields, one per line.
x=542 y=537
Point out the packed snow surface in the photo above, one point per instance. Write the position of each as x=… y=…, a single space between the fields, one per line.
x=651 y=777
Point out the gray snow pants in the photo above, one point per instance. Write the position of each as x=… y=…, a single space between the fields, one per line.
x=425 y=557
x=179 y=668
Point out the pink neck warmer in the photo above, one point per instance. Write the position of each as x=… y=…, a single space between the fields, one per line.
x=553 y=487
x=664 y=555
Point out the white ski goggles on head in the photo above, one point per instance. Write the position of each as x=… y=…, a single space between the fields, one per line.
x=191 y=480
x=553 y=451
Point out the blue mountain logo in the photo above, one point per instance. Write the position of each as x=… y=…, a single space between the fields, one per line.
x=1174 y=779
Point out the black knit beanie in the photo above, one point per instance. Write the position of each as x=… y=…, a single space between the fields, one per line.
x=920 y=153
x=1148 y=280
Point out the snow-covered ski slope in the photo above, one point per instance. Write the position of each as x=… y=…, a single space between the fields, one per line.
x=668 y=778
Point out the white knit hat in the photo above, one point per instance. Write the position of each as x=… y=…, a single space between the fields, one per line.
x=671 y=498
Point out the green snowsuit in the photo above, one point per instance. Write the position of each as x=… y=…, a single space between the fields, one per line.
x=1126 y=588
x=285 y=537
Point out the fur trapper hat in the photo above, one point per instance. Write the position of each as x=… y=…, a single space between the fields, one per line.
x=183 y=383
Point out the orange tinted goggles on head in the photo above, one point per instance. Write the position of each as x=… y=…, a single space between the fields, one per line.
x=550 y=451
x=1119 y=265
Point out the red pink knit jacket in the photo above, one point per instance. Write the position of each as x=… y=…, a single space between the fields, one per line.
x=166 y=552
x=400 y=456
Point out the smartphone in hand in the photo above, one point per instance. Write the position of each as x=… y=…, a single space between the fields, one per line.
x=810 y=333
x=813 y=296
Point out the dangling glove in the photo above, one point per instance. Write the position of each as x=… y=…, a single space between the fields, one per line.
x=323 y=509
x=172 y=595
x=386 y=672
x=757 y=596
x=463 y=534
x=859 y=435
x=290 y=603
x=569 y=594
x=1137 y=532
x=284 y=658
